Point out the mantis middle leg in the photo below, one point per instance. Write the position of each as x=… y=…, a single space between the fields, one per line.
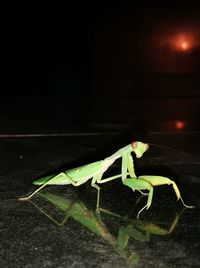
x=98 y=179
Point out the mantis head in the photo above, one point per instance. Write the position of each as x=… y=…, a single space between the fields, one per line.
x=139 y=148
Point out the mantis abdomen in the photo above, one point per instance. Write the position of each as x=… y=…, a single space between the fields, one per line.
x=82 y=173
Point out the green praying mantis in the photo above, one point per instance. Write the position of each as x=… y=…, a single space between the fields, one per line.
x=95 y=171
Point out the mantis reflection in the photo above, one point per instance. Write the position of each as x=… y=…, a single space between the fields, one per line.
x=128 y=229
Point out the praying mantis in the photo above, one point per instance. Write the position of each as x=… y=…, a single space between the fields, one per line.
x=95 y=171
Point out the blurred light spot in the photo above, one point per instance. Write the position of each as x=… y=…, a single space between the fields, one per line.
x=179 y=125
x=183 y=43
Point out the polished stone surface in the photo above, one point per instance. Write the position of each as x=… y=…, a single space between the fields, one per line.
x=166 y=235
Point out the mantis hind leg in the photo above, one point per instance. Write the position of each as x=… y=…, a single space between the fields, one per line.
x=36 y=191
x=62 y=174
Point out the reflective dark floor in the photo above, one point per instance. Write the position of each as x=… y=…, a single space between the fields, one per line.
x=59 y=227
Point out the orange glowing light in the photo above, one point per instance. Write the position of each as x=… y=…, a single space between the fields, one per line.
x=182 y=42
x=179 y=125
x=184 y=45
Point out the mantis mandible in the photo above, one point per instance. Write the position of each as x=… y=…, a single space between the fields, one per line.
x=95 y=171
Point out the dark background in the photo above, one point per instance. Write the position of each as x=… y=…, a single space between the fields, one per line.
x=100 y=63
x=78 y=82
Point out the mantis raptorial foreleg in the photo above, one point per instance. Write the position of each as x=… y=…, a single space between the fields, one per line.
x=130 y=165
x=124 y=167
x=147 y=183
x=137 y=184
x=160 y=180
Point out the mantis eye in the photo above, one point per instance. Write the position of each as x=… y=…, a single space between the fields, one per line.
x=134 y=144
